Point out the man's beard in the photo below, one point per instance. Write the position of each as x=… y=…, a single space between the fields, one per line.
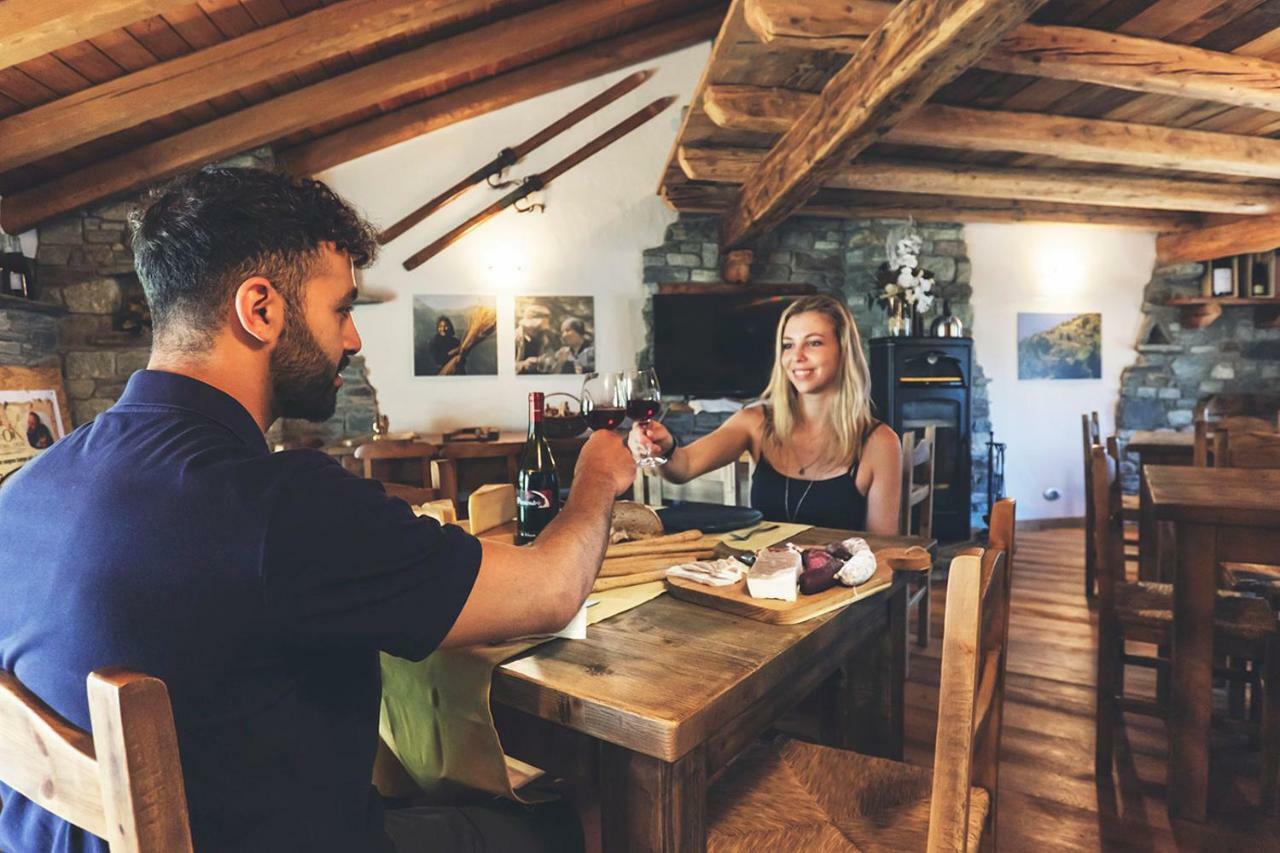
x=302 y=376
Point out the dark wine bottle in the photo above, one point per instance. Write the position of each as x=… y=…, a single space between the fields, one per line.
x=537 y=486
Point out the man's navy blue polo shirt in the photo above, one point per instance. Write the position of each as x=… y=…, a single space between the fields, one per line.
x=164 y=537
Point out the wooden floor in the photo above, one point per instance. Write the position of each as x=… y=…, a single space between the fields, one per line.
x=1048 y=798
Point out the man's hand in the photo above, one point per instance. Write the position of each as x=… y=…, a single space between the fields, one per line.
x=605 y=455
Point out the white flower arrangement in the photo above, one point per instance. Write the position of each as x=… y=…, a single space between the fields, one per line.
x=901 y=277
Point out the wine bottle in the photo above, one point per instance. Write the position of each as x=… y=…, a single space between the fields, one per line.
x=537 y=487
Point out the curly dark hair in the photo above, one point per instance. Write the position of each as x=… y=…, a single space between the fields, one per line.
x=207 y=231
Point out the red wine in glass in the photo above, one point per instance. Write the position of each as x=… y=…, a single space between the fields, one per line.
x=606 y=417
x=642 y=410
x=644 y=401
x=604 y=400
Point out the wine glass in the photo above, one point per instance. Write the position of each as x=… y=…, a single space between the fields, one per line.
x=644 y=401
x=604 y=400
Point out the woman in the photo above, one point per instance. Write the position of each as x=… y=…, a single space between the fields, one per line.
x=820 y=457
x=578 y=355
x=443 y=345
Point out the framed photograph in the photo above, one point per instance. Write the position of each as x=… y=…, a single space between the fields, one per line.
x=33 y=414
x=1059 y=346
x=555 y=334
x=455 y=335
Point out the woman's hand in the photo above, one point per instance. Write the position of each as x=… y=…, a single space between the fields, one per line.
x=650 y=439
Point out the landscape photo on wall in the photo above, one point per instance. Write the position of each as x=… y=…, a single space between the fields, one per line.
x=1059 y=346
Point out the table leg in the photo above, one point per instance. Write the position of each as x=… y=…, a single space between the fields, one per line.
x=648 y=804
x=861 y=704
x=1193 y=597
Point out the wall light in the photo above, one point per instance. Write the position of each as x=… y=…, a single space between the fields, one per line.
x=1059 y=262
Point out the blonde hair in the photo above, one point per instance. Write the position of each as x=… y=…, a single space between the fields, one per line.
x=851 y=409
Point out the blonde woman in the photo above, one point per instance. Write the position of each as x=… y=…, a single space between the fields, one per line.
x=820 y=457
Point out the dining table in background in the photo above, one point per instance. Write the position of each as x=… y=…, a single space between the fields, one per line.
x=1156 y=447
x=657 y=699
x=1218 y=515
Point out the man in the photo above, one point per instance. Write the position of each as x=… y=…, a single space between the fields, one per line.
x=578 y=355
x=534 y=339
x=38 y=435
x=164 y=537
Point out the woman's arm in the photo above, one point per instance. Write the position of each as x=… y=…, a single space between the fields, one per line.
x=883 y=454
x=708 y=453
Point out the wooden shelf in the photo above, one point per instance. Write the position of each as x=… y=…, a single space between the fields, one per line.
x=1199 y=312
x=17 y=303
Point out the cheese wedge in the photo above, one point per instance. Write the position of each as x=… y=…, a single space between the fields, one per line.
x=442 y=511
x=490 y=506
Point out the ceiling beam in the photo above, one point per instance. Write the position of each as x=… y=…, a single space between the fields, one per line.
x=1116 y=143
x=920 y=47
x=738 y=165
x=504 y=90
x=167 y=87
x=436 y=67
x=715 y=199
x=31 y=28
x=1247 y=234
x=1061 y=53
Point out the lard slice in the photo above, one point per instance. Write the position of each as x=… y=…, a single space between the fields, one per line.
x=775 y=574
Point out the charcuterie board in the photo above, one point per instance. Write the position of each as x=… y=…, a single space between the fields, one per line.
x=734 y=599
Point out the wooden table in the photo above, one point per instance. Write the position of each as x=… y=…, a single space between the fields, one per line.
x=1218 y=514
x=1156 y=447
x=658 y=698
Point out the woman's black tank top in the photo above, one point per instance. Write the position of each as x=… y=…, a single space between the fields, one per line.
x=833 y=502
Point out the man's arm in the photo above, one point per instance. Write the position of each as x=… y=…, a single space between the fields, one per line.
x=538 y=588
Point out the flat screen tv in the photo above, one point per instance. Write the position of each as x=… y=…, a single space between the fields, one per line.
x=715 y=345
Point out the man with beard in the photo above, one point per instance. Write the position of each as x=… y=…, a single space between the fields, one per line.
x=163 y=537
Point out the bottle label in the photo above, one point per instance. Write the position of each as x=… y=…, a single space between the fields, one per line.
x=535 y=498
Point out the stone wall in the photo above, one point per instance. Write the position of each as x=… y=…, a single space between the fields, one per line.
x=1178 y=366
x=85 y=266
x=839 y=256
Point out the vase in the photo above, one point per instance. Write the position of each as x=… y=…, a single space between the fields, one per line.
x=901 y=319
x=948 y=325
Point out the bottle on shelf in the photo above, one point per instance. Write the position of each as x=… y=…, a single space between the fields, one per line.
x=537 y=486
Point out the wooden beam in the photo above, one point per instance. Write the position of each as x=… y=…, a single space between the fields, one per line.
x=738 y=165
x=1247 y=234
x=1061 y=53
x=29 y=29
x=921 y=46
x=238 y=63
x=764 y=110
x=436 y=67
x=501 y=91
x=843 y=204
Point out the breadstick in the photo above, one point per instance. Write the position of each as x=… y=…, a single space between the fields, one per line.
x=626 y=565
x=650 y=546
x=602 y=584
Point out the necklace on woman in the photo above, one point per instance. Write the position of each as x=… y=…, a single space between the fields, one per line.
x=809 y=464
x=786 y=497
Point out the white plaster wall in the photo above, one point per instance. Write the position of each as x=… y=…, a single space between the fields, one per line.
x=1053 y=268
x=600 y=217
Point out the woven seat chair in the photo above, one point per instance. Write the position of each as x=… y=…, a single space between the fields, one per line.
x=122 y=781
x=1092 y=434
x=789 y=795
x=1244 y=629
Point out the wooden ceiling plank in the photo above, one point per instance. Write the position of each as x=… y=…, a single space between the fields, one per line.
x=919 y=47
x=738 y=165
x=29 y=30
x=1074 y=54
x=704 y=198
x=774 y=111
x=500 y=91
x=228 y=66
x=441 y=65
x=1246 y=234
x=157 y=36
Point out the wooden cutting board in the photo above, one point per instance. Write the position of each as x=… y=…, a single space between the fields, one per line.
x=734 y=599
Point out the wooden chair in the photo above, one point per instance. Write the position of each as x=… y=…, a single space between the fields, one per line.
x=438 y=479
x=1092 y=434
x=918 y=457
x=790 y=795
x=122 y=782
x=1244 y=628
x=735 y=484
